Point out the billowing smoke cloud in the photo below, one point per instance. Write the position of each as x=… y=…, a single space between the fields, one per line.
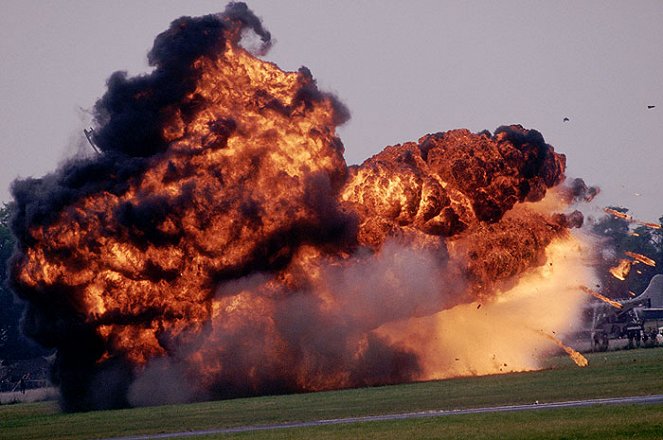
x=304 y=342
x=219 y=246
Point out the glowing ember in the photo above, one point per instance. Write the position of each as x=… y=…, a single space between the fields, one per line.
x=641 y=258
x=622 y=269
x=618 y=214
x=576 y=357
x=603 y=298
x=631 y=219
x=219 y=246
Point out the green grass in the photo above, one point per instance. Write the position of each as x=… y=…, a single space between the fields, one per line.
x=592 y=423
x=622 y=373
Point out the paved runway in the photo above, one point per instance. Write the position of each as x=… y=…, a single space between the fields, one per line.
x=658 y=398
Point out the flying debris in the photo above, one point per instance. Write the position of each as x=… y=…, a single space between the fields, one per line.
x=618 y=214
x=622 y=269
x=220 y=246
x=651 y=106
x=631 y=219
x=576 y=357
x=89 y=135
x=641 y=258
x=603 y=298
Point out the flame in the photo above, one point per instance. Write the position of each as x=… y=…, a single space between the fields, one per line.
x=576 y=357
x=603 y=298
x=220 y=241
x=641 y=258
x=622 y=269
x=631 y=219
x=497 y=337
x=618 y=214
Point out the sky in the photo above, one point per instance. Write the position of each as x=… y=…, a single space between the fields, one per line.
x=404 y=69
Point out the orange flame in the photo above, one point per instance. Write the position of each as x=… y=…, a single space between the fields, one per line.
x=498 y=337
x=578 y=358
x=603 y=298
x=641 y=258
x=622 y=269
x=631 y=219
x=238 y=253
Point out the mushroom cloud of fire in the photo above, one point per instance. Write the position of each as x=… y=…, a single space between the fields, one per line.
x=219 y=245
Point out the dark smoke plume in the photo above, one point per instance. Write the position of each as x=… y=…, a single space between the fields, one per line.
x=219 y=240
x=130 y=120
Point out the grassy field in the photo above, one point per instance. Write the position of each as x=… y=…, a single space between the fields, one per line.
x=621 y=373
x=594 y=423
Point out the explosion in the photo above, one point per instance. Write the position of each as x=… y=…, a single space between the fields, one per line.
x=219 y=245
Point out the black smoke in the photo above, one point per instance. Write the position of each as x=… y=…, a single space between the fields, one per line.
x=132 y=113
x=131 y=120
x=129 y=131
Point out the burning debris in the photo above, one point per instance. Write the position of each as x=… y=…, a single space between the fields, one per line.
x=631 y=219
x=622 y=269
x=603 y=298
x=576 y=357
x=641 y=258
x=219 y=246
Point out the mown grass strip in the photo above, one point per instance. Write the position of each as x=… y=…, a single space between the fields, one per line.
x=642 y=422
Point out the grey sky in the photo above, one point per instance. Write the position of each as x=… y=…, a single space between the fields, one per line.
x=403 y=68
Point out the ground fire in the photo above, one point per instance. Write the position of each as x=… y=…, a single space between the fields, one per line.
x=219 y=246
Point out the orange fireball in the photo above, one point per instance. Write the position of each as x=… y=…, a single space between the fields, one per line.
x=219 y=239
